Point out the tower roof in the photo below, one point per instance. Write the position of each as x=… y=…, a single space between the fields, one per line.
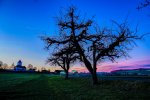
x=19 y=61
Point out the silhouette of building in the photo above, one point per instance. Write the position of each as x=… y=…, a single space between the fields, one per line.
x=140 y=71
x=58 y=71
x=19 y=66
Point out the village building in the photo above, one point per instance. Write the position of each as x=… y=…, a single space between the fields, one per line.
x=19 y=66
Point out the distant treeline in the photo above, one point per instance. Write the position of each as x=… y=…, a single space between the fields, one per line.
x=13 y=71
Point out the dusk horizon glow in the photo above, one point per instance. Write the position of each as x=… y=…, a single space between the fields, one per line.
x=22 y=22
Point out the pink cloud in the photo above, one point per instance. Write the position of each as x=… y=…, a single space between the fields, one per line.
x=126 y=64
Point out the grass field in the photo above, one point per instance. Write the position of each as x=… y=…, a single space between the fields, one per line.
x=15 y=86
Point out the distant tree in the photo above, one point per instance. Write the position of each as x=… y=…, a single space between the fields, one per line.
x=12 y=66
x=38 y=70
x=5 y=66
x=35 y=68
x=43 y=68
x=30 y=67
x=1 y=64
x=92 y=44
x=49 y=70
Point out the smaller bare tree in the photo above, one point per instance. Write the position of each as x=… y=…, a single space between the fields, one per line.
x=63 y=58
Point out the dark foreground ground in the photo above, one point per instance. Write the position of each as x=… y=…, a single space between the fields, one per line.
x=18 y=86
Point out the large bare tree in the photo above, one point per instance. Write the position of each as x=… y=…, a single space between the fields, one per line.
x=92 y=44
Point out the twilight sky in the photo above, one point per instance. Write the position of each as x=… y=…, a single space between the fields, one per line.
x=23 y=21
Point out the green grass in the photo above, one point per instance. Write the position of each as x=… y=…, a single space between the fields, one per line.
x=45 y=87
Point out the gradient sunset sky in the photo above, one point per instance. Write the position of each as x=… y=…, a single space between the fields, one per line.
x=23 y=21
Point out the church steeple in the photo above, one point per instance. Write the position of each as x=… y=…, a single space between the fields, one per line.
x=19 y=63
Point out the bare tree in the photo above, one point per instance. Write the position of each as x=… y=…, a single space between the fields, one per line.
x=1 y=64
x=64 y=58
x=5 y=66
x=43 y=68
x=30 y=67
x=34 y=68
x=12 y=66
x=93 y=46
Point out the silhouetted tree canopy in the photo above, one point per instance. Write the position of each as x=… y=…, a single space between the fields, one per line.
x=143 y=4
x=92 y=43
x=63 y=57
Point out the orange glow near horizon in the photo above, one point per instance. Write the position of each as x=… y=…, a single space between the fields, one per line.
x=106 y=67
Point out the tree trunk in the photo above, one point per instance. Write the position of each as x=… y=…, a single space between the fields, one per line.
x=66 y=76
x=94 y=77
x=94 y=74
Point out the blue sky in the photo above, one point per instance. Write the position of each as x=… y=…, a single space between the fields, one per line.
x=23 y=21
